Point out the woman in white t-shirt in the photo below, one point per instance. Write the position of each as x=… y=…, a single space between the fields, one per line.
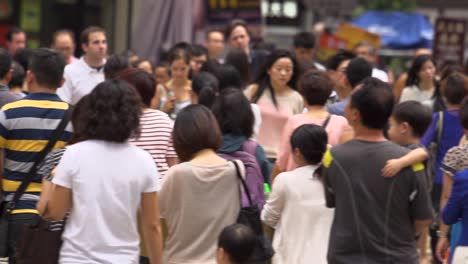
x=421 y=84
x=104 y=180
x=200 y=196
x=296 y=206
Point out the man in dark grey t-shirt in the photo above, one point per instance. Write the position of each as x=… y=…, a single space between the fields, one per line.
x=377 y=219
x=5 y=75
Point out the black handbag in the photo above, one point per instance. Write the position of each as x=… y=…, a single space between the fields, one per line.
x=8 y=207
x=250 y=216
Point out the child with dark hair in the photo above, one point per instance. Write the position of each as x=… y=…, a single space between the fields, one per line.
x=296 y=206
x=235 y=245
x=408 y=123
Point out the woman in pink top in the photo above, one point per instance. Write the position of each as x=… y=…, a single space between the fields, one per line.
x=275 y=93
x=315 y=87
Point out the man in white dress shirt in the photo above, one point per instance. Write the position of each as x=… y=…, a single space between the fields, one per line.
x=367 y=51
x=83 y=75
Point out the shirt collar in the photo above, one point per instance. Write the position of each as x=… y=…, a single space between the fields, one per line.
x=4 y=88
x=91 y=69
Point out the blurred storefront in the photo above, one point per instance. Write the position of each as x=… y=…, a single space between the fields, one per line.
x=40 y=18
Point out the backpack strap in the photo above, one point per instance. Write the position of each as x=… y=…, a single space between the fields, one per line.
x=325 y=123
x=243 y=183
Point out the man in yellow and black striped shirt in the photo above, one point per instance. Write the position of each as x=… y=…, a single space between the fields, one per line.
x=25 y=128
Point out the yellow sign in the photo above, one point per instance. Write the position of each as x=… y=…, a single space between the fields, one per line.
x=353 y=35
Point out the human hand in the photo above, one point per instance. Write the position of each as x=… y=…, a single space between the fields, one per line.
x=169 y=104
x=392 y=167
x=441 y=248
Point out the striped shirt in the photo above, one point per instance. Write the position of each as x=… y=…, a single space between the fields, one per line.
x=156 y=138
x=25 y=128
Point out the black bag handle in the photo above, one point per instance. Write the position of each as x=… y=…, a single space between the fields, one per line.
x=325 y=123
x=246 y=189
x=40 y=156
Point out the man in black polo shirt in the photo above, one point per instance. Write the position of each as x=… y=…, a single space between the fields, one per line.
x=377 y=219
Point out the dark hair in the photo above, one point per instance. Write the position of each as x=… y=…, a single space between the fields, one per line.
x=136 y=63
x=205 y=86
x=111 y=112
x=342 y=55
x=263 y=79
x=413 y=73
x=22 y=56
x=234 y=113
x=63 y=32
x=228 y=76
x=18 y=75
x=311 y=140
x=195 y=129
x=304 y=40
x=13 y=31
x=315 y=86
x=84 y=37
x=238 y=241
x=5 y=62
x=374 y=100
x=418 y=116
x=47 y=66
x=463 y=113
x=114 y=65
x=143 y=82
x=199 y=50
x=211 y=65
x=239 y=59
x=179 y=54
x=358 y=70
x=185 y=46
x=456 y=88
x=231 y=26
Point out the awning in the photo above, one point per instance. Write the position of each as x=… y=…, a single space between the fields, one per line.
x=398 y=30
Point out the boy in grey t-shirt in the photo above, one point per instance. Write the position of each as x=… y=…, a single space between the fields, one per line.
x=377 y=219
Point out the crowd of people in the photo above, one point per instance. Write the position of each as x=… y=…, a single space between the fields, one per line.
x=345 y=162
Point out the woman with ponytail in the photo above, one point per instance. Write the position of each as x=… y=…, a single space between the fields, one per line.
x=296 y=206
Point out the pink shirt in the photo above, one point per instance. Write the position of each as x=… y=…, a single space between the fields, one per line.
x=274 y=118
x=335 y=128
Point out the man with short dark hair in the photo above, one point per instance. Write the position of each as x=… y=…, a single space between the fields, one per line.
x=214 y=43
x=83 y=75
x=25 y=127
x=15 y=40
x=199 y=56
x=355 y=72
x=304 y=49
x=5 y=75
x=377 y=219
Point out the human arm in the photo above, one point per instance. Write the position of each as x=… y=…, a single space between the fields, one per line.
x=150 y=222
x=454 y=206
x=284 y=153
x=273 y=208
x=393 y=166
x=59 y=204
x=156 y=100
x=431 y=133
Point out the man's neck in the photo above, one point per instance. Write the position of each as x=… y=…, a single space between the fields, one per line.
x=411 y=140
x=369 y=134
x=41 y=89
x=93 y=62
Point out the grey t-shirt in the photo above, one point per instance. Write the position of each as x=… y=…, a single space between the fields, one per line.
x=374 y=216
x=6 y=96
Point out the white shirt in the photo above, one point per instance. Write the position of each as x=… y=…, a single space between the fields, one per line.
x=413 y=93
x=80 y=80
x=106 y=180
x=379 y=74
x=296 y=209
x=257 y=119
